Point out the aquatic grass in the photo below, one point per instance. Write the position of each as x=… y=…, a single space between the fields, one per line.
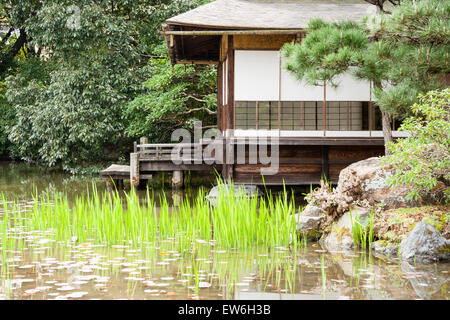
x=324 y=276
x=237 y=220
x=363 y=234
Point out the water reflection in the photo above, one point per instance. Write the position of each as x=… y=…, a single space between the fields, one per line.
x=45 y=269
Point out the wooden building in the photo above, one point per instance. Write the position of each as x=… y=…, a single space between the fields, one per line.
x=320 y=129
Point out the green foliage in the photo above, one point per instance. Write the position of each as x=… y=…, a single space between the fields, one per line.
x=423 y=159
x=363 y=234
x=416 y=37
x=6 y=116
x=173 y=99
x=328 y=50
x=82 y=64
x=403 y=53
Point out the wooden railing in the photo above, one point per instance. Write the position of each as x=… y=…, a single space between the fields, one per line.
x=193 y=152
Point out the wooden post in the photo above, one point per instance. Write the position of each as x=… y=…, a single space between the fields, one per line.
x=230 y=84
x=134 y=170
x=219 y=96
x=177 y=179
x=348 y=115
x=109 y=184
x=324 y=108
x=256 y=116
x=302 y=112
x=325 y=170
x=143 y=140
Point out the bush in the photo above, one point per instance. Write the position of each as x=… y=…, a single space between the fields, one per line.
x=422 y=161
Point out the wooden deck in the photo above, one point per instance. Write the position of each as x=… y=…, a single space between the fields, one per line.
x=301 y=160
x=148 y=159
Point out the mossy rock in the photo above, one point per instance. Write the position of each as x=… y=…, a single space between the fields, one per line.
x=393 y=225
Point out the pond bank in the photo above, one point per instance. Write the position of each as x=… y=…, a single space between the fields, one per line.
x=363 y=205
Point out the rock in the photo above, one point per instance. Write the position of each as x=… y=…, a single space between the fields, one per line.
x=215 y=192
x=308 y=221
x=312 y=211
x=385 y=248
x=367 y=180
x=424 y=243
x=341 y=233
x=361 y=182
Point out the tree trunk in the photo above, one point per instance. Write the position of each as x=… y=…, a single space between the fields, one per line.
x=6 y=59
x=387 y=131
x=386 y=123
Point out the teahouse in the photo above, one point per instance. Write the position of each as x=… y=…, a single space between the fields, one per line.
x=320 y=129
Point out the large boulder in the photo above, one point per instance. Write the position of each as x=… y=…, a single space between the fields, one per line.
x=367 y=180
x=425 y=244
x=308 y=221
x=363 y=182
x=241 y=189
x=341 y=231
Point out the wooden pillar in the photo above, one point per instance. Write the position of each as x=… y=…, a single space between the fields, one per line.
x=228 y=166
x=324 y=108
x=177 y=179
x=302 y=113
x=325 y=169
x=256 y=116
x=134 y=170
x=348 y=115
x=109 y=184
x=219 y=96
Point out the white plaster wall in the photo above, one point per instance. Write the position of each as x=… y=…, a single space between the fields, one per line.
x=294 y=90
x=256 y=75
x=349 y=89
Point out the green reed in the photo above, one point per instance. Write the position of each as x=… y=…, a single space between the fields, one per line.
x=238 y=219
x=363 y=234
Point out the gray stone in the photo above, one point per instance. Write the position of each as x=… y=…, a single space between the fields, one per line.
x=341 y=234
x=308 y=226
x=385 y=248
x=312 y=211
x=217 y=191
x=308 y=221
x=425 y=244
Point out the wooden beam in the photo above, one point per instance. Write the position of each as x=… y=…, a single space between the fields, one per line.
x=197 y=62
x=231 y=32
x=261 y=42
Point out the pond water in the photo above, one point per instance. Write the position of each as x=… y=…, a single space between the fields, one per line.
x=44 y=268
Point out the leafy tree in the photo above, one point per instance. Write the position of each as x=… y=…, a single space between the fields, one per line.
x=422 y=160
x=92 y=58
x=403 y=53
x=173 y=99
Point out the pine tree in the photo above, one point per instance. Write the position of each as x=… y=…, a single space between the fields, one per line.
x=403 y=53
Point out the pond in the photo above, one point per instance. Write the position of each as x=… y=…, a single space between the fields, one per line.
x=43 y=266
